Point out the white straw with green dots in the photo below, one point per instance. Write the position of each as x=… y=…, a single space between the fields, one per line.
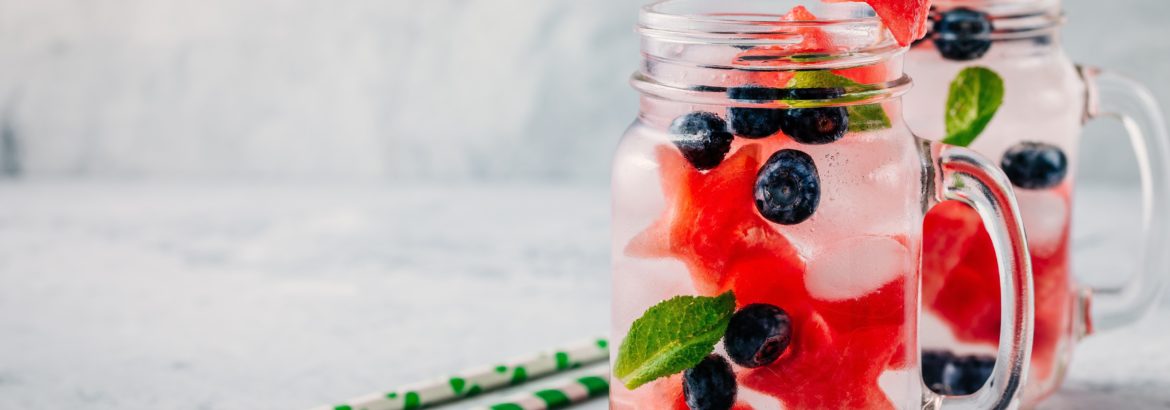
x=471 y=383
x=565 y=395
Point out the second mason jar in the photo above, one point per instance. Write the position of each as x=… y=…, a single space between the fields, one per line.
x=1035 y=138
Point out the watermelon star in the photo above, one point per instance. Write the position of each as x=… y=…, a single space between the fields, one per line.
x=710 y=219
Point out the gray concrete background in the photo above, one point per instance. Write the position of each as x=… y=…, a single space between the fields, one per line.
x=1130 y=37
x=238 y=295
x=384 y=90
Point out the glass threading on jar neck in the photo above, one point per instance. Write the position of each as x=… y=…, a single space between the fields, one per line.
x=1032 y=21
x=696 y=50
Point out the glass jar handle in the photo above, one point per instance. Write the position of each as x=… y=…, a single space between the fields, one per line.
x=1115 y=96
x=966 y=177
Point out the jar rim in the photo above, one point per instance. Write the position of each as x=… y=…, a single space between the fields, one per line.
x=752 y=13
x=1011 y=19
x=694 y=49
x=759 y=23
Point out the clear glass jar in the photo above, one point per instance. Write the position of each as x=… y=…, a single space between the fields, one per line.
x=770 y=160
x=1035 y=136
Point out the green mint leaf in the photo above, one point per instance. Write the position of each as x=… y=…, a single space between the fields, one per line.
x=672 y=336
x=861 y=117
x=819 y=79
x=975 y=97
x=867 y=118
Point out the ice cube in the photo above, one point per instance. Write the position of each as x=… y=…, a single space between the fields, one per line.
x=642 y=283
x=1046 y=221
x=854 y=267
x=869 y=186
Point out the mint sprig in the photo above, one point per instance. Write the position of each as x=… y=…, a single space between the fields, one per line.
x=861 y=117
x=975 y=96
x=672 y=336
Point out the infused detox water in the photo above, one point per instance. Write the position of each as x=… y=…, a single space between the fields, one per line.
x=768 y=211
x=1039 y=126
x=1034 y=138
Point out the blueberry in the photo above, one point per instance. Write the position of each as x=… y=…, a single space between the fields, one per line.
x=1034 y=165
x=945 y=373
x=963 y=34
x=788 y=188
x=933 y=364
x=966 y=375
x=981 y=371
x=710 y=385
x=757 y=335
x=702 y=137
x=754 y=123
x=952 y=379
x=815 y=126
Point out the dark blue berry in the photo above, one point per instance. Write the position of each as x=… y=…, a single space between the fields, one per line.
x=933 y=364
x=945 y=373
x=702 y=137
x=710 y=385
x=980 y=372
x=757 y=335
x=788 y=188
x=1034 y=165
x=963 y=34
x=952 y=379
x=966 y=375
x=815 y=126
x=754 y=123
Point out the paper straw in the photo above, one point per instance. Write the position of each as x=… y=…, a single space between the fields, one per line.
x=471 y=383
x=559 y=397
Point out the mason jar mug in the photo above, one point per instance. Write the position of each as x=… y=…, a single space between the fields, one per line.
x=1035 y=138
x=768 y=204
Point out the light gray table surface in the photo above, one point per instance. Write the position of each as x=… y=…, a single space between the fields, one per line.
x=218 y=295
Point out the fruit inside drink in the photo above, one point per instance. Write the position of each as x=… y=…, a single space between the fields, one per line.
x=768 y=210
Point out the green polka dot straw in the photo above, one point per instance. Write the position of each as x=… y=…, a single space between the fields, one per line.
x=473 y=382
x=562 y=396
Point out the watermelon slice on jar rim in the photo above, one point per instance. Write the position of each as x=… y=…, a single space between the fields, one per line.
x=906 y=19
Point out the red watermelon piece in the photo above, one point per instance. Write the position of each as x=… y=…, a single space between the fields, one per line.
x=870 y=74
x=826 y=370
x=906 y=19
x=838 y=344
x=711 y=220
x=799 y=13
x=813 y=40
x=961 y=285
x=949 y=230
